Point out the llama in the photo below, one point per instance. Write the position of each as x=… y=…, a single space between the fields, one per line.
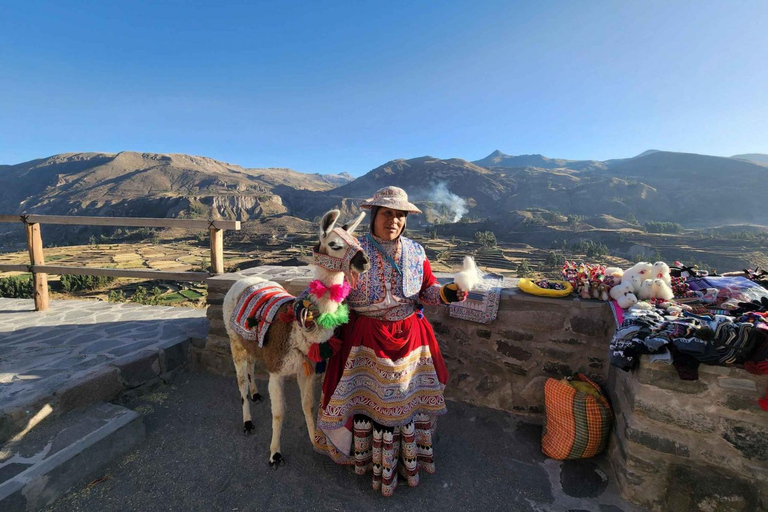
x=287 y=340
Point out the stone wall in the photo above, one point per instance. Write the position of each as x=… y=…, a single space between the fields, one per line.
x=502 y=365
x=690 y=445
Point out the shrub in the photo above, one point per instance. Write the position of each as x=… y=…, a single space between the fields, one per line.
x=116 y=296
x=16 y=287
x=141 y=296
x=75 y=283
x=663 y=227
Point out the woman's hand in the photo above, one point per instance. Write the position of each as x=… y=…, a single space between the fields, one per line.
x=451 y=293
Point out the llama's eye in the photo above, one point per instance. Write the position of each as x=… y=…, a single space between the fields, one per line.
x=335 y=246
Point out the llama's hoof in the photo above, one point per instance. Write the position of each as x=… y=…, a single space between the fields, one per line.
x=276 y=461
x=257 y=398
x=248 y=428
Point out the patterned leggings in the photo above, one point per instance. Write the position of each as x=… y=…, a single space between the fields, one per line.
x=390 y=451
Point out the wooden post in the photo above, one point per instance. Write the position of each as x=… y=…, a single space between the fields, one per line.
x=39 y=280
x=217 y=250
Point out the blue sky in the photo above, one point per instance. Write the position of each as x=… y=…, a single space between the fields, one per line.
x=346 y=86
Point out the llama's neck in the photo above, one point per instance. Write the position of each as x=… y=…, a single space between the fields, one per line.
x=328 y=278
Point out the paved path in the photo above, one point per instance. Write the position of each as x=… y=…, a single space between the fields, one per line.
x=196 y=458
x=41 y=350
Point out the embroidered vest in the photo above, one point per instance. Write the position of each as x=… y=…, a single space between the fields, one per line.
x=370 y=286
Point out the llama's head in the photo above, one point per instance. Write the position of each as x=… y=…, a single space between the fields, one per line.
x=338 y=250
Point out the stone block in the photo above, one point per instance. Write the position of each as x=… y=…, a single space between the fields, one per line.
x=139 y=368
x=592 y=325
x=567 y=341
x=714 y=369
x=552 y=321
x=513 y=351
x=461 y=337
x=657 y=443
x=515 y=369
x=750 y=439
x=554 y=353
x=557 y=369
x=691 y=488
x=737 y=384
x=595 y=362
x=174 y=354
x=670 y=381
x=100 y=385
x=740 y=402
x=440 y=328
x=515 y=335
x=198 y=342
x=488 y=383
x=217 y=343
x=533 y=392
x=674 y=414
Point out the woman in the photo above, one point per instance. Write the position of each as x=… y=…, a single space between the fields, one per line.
x=383 y=386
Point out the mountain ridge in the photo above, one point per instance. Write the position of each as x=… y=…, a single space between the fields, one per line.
x=654 y=185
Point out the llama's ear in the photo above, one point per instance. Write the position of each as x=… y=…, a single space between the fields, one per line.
x=352 y=227
x=329 y=221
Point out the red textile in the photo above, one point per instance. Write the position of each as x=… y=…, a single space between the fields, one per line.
x=392 y=340
x=429 y=277
x=763 y=402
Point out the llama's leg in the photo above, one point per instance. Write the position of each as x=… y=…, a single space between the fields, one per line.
x=307 y=388
x=276 y=396
x=240 y=358
x=255 y=396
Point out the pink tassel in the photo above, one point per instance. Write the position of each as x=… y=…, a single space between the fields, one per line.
x=317 y=288
x=340 y=292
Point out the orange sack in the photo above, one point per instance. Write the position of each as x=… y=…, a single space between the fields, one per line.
x=577 y=424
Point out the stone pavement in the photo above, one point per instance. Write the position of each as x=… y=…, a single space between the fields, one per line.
x=195 y=457
x=82 y=352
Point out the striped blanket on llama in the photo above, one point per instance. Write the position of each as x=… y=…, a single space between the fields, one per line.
x=261 y=301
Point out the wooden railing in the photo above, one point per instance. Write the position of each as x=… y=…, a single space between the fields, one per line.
x=40 y=270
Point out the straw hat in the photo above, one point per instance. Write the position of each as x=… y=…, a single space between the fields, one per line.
x=390 y=197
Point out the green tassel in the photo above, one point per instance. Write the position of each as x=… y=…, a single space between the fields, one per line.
x=331 y=320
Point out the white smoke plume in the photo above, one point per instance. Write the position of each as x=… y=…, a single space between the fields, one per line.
x=441 y=195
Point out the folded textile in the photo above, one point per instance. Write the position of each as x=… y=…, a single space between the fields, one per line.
x=482 y=303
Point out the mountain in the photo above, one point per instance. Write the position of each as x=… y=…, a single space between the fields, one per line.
x=687 y=188
x=148 y=184
x=656 y=185
x=753 y=157
x=499 y=159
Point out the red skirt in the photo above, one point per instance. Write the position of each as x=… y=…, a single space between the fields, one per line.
x=388 y=376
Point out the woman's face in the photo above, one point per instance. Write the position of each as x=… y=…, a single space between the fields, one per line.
x=389 y=223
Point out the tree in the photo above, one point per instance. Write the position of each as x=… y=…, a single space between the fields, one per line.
x=574 y=220
x=524 y=269
x=555 y=260
x=485 y=238
x=432 y=233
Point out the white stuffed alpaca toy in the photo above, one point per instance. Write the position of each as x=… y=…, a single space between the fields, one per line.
x=646 y=290
x=661 y=271
x=642 y=270
x=624 y=295
x=660 y=289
